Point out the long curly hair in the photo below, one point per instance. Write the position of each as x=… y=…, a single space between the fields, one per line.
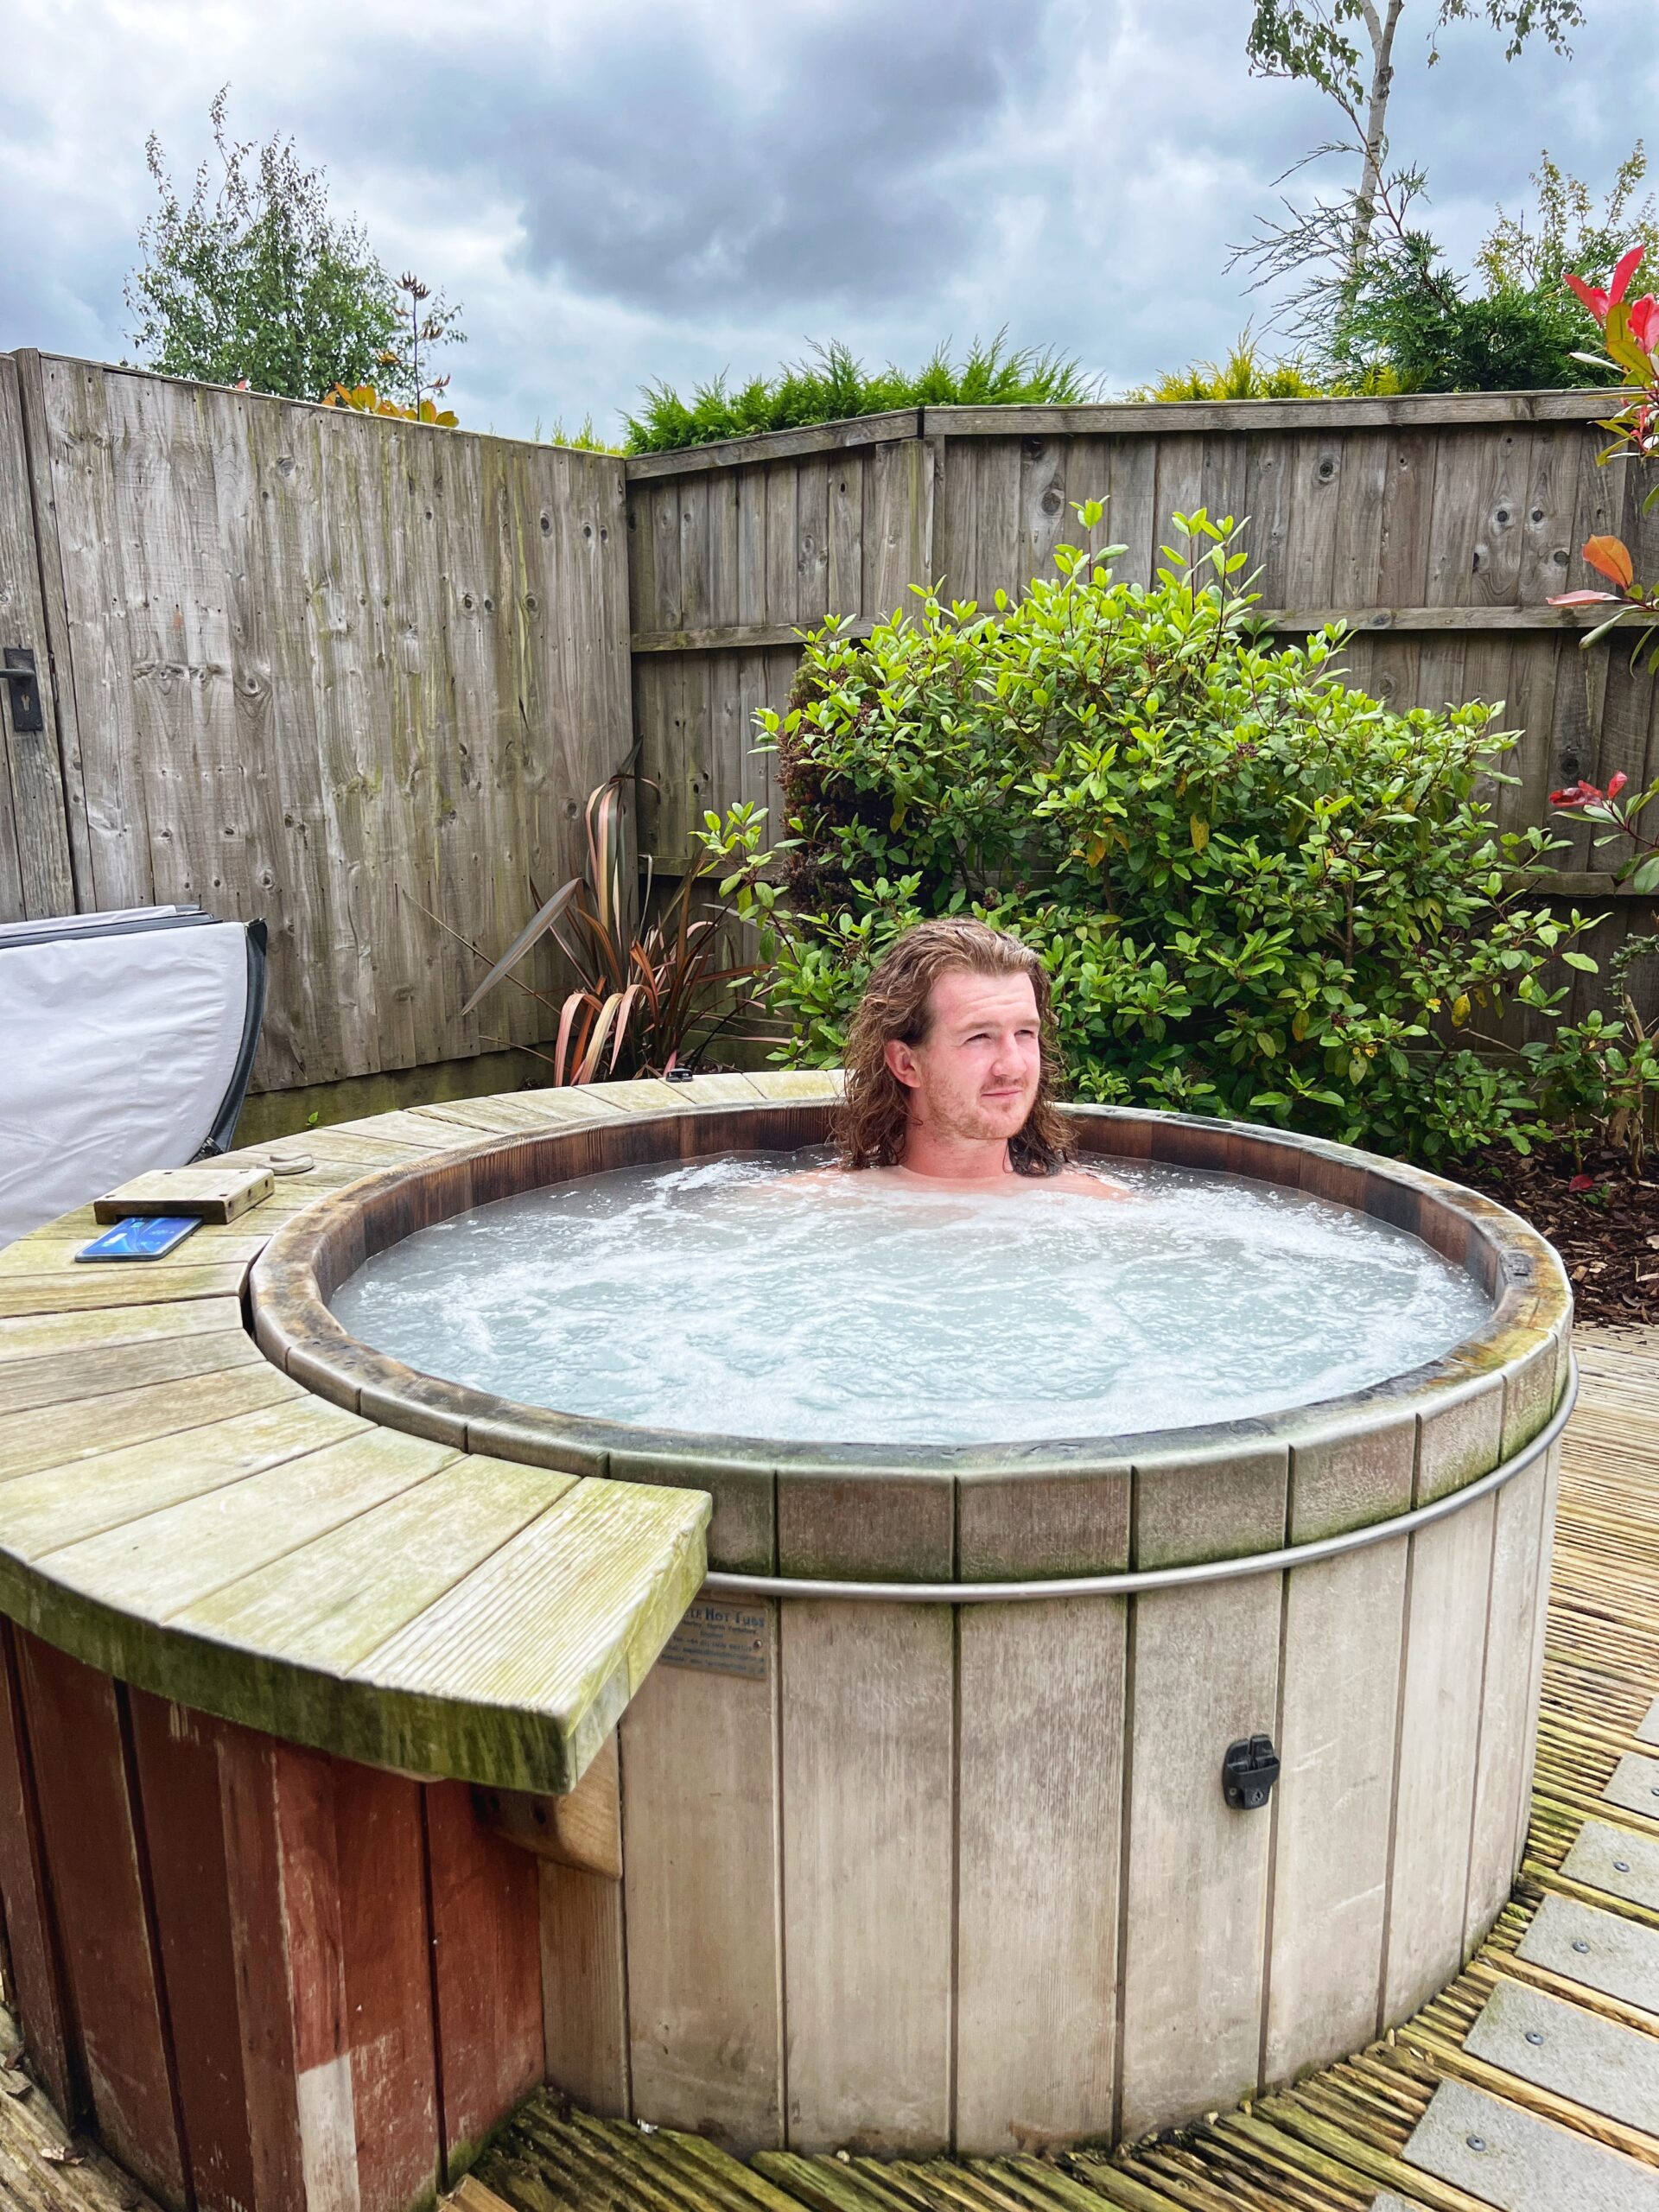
x=871 y=1125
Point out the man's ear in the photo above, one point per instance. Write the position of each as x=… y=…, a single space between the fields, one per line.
x=901 y=1061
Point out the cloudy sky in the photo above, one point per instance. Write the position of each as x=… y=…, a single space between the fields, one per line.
x=646 y=190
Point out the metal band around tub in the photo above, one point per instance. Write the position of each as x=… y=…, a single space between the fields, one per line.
x=1133 y=1581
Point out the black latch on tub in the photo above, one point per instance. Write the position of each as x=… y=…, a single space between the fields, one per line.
x=1249 y=1772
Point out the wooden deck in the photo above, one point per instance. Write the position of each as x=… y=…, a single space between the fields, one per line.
x=1543 y=2054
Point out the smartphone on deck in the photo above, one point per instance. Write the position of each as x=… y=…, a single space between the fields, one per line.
x=140 y=1238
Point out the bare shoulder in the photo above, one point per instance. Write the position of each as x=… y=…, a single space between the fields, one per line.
x=1085 y=1186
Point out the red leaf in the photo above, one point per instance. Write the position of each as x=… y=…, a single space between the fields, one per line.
x=1582 y=1183
x=1627 y=266
x=1643 y=323
x=1579 y=794
x=1617 y=783
x=1594 y=299
x=1582 y=598
x=1610 y=557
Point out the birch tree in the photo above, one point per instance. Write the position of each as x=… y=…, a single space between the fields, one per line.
x=1347 y=49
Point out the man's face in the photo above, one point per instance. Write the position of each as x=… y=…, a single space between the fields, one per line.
x=974 y=1076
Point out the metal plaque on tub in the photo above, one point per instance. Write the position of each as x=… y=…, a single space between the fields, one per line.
x=720 y=1639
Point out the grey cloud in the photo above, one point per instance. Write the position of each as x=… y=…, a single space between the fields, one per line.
x=662 y=189
x=652 y=176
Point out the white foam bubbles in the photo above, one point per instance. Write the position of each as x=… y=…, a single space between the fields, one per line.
x=738 y=1298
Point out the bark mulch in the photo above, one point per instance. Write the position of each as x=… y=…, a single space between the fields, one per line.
x=1603 y=1220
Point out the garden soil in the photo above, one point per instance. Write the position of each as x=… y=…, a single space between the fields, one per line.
x=1606 y=1228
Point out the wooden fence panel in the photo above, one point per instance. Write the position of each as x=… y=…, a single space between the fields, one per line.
x=1437 y=526
x=725 y=565
x=346 y=674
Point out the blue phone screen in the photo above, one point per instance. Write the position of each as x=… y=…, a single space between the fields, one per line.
x=139 y=1237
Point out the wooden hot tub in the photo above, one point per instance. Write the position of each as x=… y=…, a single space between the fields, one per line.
x=914 y=1833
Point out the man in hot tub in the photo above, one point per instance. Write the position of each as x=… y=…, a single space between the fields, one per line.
x=950 y=1069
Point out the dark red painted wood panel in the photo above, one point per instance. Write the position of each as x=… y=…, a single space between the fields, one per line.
x=91 y=1850
x=388 y=1981
x=177 y=1760
x=486 y=1955
x=42 y=2001
x=259 y=1955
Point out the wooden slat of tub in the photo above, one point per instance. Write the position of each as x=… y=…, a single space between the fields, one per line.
x=158 y=1565
x=729 y=1087
x=584 y=1988
x=1507 y=1711
x=388 y=1987
x=486 y=1967
x=566 y=1106
x=34 y=1336
x=346 y=1145
x=1339 y=1704
x=868 y=1961
x=92 y=1850
x=139 y=1283
x=414 y=1127
x=258 y=1781
x=38 y=1988
x=332 y=1601
x=1203 y=1671
x=54 y=1436
x=62 y=1378
x=61 y=1505
x=645 y=1095
x=799 y=1085
x=177 y=1760
x=1440 y=1725
x=868 y=1850
x=486 y=1117
x=1040 y=1791
x=701 y=1783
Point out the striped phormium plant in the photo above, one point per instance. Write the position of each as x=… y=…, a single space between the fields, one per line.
x=651 y=990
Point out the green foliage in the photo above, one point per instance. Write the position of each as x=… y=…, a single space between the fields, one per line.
x=252 y=281
x=1311 y=40
x=1246 y=374
x=1258 y=891
x=1600 y=1078
x=834 y=385
x=1536 y=246
x=1522 y=330
x=1411 y=313
x=585 y=440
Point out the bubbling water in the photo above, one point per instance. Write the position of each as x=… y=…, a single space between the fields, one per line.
x=738 y=1298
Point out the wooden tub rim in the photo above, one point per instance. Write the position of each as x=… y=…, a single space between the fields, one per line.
x=1142 y=1581
x=1532 y=1307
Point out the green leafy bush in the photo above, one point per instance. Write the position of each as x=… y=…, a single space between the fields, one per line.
x=835 y=385
x=1258 y=891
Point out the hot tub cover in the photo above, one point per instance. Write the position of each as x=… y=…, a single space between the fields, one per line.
x=126 y=1041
